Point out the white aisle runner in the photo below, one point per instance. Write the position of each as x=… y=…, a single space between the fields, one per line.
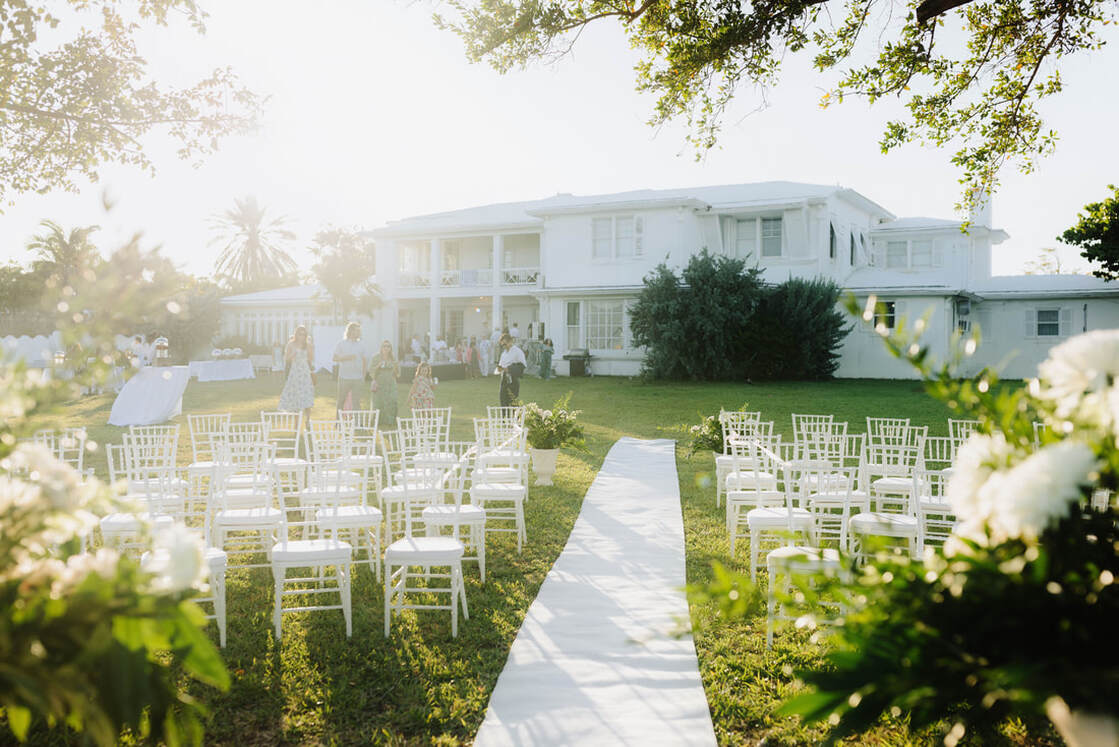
x=595 y=661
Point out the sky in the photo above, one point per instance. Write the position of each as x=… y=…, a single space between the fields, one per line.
x=375 y=115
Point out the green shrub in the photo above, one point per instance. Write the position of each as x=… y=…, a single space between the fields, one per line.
x=800 y=329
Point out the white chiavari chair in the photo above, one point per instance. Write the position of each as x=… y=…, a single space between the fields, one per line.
x=465 y=521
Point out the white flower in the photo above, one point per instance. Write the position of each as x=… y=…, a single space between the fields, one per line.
x=58 y=482
x=996 y=503
x=102 y=563
x=1079 y=378
x=176 y=559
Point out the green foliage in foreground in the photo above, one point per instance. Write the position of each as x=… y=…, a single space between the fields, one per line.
x=421 y=686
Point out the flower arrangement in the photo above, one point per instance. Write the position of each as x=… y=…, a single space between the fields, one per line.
x=553 y=428
x=1014 y=617
x=707 y=434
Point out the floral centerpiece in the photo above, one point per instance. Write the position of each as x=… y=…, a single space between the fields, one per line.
x=707 y=434
x=1014 y=617
x=549 y=431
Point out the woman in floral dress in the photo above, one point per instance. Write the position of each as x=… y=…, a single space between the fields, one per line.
x=385 y=368
x=299 y=389
x=422 y=395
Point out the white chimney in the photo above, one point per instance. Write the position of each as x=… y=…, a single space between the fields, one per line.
x=980 y=213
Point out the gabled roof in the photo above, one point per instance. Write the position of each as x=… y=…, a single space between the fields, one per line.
x=291 y=294
x=915 y=224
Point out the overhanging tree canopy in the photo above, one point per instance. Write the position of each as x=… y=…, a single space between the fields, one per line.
x=971 y=72
x=75 y=93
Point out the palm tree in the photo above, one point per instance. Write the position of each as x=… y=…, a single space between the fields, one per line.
x=63 y=254
x=252 y=250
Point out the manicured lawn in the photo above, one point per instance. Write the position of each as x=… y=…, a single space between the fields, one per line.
x=422 y=686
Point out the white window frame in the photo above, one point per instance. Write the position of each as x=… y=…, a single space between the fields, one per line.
x=617 y=223
x=886 y=312
x=1063 y=322
x=582 y=332
x=762 y=236
x=852 y=255
x=934 y=259
x=833 y=241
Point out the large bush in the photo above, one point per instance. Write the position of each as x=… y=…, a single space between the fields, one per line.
x=717 y=320
x=800 y=329
x=697 y=326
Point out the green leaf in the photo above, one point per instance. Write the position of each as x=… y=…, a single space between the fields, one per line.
x=19 y=719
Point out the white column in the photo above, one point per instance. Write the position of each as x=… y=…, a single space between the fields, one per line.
x=497 y=323
x=433 y=319
x=498 y=251
x=436 y=264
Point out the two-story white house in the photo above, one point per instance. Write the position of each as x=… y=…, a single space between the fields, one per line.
x=571 y=265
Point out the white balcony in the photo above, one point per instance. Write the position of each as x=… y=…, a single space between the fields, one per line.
x=480 y=278
x=408 y=279
x=520 y=276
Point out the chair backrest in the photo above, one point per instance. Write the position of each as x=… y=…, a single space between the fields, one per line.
x=240 y=458
x=330 y=440
x=435 y=424
x=802 y=424
x=336 y=483
x=737 y=424
x=393 y=453
x=940 y=452
x=886 y=431
x=362 y=425
x=202 y=428
x=1040 y=431
x=823 y=443
x=167 y=431
x=961 y=430
x=830 y=493
x=284 y=432
x=67 y=445
x=898 y=455
x=514 y=417
x=420 y=436
x=118 y=462
x=422 y=488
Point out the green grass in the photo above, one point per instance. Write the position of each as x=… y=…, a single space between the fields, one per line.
x=422 y=686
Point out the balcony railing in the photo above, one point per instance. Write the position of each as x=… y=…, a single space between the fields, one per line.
x=467 y=278
x=520 y=275
x=414 y=280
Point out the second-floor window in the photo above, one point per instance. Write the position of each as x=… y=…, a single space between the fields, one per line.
x=833 y=241
x=914 y=254
x=617 y=237
x=852 y=261
x=751 y=233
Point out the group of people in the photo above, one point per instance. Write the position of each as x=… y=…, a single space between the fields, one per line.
x=381 y=372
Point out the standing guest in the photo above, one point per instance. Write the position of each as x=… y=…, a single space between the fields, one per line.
x=422 y=394
x=417 y=351
x=385 y=369
x=475 y=358
x=546 y=354
x=511 y=367
x=351 y=369
x=485 y=348
x=515 y=332
x=299 y=389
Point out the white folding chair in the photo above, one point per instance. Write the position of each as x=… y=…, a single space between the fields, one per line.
x=735 y=425
x=247 y=514
x=502 y=501
x=411 y=560
x=935 y=516
x=341 y=507
x=466 y=522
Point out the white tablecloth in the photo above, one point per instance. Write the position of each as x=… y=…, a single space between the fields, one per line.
x=224 y=370
x=152 y=395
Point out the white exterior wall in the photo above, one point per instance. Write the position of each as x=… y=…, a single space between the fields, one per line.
x=863 y=354
x=1007 y=348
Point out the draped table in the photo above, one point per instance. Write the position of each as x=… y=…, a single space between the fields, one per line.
x=153 y=395
x=222 y=370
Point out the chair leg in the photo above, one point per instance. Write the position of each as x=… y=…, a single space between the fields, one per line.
x=478 y=534
x=754 y=538
x=217 y=586
x=347 y=609
x=771 y=605
x=454 y=604
x=388 y=593
x=278 y=575
x=462 y=589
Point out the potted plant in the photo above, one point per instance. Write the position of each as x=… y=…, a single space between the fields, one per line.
x=548 y=431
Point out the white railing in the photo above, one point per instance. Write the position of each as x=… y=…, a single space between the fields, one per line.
x=467 y=278
x=520 y=275
x=414 y=280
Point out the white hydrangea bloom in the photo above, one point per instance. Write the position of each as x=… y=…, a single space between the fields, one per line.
x=996 y=502
x=176 y=560
x=103 y=563
x=1079 y=379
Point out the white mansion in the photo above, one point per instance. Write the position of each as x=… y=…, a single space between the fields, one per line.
x=568 y=267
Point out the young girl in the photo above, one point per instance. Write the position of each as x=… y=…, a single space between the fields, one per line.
x=299 y=389
x=423 y=388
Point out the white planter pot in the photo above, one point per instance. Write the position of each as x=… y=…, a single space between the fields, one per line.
x=544 y=464
x=1082 y=729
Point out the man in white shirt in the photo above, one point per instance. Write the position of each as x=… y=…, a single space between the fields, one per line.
x=511 y=366
x=350 y=358
x=515 y=332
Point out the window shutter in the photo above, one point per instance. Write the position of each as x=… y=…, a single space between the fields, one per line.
x=1066 y=321
x=1031 y=323
x=638 y=235
x=936 y=253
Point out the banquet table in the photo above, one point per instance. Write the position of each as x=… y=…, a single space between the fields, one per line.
x=153 y=395
x=231 y=369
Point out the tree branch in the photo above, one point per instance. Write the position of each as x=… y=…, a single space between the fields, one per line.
x=929 y=9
